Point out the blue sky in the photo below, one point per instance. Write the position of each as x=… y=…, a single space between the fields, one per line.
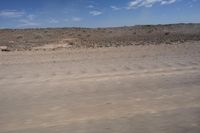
x=96 y=13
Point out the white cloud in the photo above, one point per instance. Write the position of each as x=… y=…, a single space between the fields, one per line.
x=27 y=22
x=76 y=19
x=115 y=8
x=167 y=2
x=11 y=13
x=53 y=21
x=95 y=13
x=90 y=6
x=148 y=3
x=31 y=16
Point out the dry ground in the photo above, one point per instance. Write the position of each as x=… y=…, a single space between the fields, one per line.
x=29 y=39
x=140 y=89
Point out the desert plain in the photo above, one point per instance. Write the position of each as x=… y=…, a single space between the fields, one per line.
x=140 y=79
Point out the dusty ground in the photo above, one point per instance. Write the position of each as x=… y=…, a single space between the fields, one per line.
x=52 y=39
x=141 y=89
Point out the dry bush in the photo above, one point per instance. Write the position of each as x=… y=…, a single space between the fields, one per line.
x=167 y=33
x=19 y=37
x=38 y=37
x=134 y=33
x=150 y=31
x=46 y=31
x=88 y=35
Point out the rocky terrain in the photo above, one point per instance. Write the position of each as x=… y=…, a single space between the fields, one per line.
x=29 y=39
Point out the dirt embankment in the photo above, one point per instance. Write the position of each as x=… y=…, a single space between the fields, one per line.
x=53 y=38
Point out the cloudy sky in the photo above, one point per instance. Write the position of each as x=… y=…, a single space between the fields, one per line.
x=96 y=13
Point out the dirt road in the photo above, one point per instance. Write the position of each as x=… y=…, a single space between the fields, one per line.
x=140 y=89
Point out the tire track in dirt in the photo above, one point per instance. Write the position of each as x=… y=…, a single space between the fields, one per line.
x=82 y=75
x=140 y=66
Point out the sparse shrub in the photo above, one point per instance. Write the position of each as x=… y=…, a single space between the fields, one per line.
x=5 y=50
x=88 y=35
x=71 y=43
x=150 y=31
x=38 y=37
x=19 y=37
x=148 y=26
x=167 y=33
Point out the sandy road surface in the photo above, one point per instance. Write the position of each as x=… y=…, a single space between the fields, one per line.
x=143 y=89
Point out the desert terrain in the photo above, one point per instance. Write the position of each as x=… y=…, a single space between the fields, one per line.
x=141 y=79
x=56 y=38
